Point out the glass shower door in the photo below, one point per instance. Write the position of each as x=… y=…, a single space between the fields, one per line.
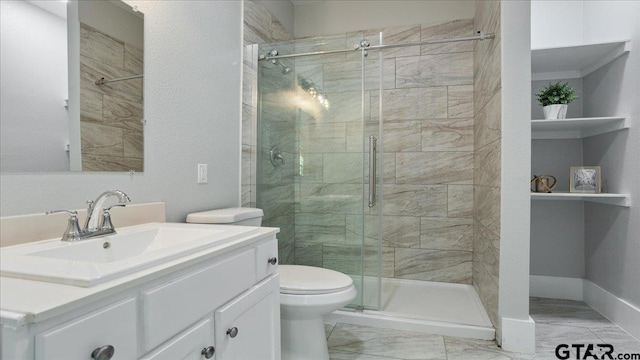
x=314 y=124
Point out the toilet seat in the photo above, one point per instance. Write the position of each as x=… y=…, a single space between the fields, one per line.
x=309 y=280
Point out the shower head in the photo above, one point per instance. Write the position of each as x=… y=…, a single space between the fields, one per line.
x=285 y=69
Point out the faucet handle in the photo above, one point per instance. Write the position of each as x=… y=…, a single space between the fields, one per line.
x=72 y=232
x=106 y=217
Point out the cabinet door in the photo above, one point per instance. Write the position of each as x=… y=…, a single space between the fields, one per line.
x=113 y=326
x=188 y=345
x=254 y=319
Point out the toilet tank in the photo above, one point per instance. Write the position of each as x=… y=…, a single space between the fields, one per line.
x=228 y=216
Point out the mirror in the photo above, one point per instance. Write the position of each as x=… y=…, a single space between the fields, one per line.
x=56 y=115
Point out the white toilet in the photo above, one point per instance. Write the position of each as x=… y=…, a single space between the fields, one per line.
x=306 y=293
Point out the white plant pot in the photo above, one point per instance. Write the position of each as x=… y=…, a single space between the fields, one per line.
x=556 y=111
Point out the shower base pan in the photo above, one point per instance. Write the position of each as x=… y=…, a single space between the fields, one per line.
x=423 y=306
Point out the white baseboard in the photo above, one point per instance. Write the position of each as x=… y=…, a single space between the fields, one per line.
x=619 y=311
x=556 y=287
x=518 y=335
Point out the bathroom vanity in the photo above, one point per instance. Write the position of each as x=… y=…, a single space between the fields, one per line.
x=220 y=301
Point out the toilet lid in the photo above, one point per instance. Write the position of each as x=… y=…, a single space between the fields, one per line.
x=301 y=280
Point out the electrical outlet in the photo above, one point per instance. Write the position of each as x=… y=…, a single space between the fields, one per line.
x=202 y=173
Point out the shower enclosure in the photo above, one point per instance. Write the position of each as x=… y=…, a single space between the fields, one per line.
x=318 y=159
x=365 y=161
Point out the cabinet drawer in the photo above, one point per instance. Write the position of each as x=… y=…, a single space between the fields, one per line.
x=265 y=252
x=187 y=345
x=176 y=305
x=115 y=326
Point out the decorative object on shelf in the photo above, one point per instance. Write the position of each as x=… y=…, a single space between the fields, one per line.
x=543 y=183
x=554 y=98
x=585 y=179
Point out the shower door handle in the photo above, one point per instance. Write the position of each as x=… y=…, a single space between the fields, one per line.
x=372 y=171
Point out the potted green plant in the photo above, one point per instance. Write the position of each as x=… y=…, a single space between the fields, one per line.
x=554 y=98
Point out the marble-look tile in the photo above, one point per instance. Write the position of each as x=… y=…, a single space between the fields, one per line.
x=447 y=135
x=320 y=137
x=622 y=342
x=401 y=231
x=487 y=71
x=373 y=73
x=92 y=162
x=101 y=47
x=97 y=139
x=257 y=20
x=345 y=107
x=245 y=168
x=446 y=234
x=487 y=164
x=357 y=224
x=434 y=168
x=434 y=70
x=92 y=70
x=434 y=265
x=328 y=328
x=566 y=312
x=415 y=200
x=474 y=349
x=276 y=200
x=487 y=17
x=133 y=144
x=122 y=113
x=402 y=136
x=245 y=196
x=372 y=265
x=446 y=30
x=279 y=32
x=346 y=259
x=460 y=101
x=347 y=355
x=90 y=106
x=320 y=228
x=398 y=344
x=460 y=201
x=133 y=59
x=389 y=168
x=308 y=254
x=401 y=35
x=486 y=287
x=344 y=76
x=548 y=337
x=286 y=249
x=486 y=250
x=247 y=136
x=415 y=103
x=309 y=168
x=330 y=198
x=488 y=123
x=320 y=44
x=486 y=203
x=345 y=168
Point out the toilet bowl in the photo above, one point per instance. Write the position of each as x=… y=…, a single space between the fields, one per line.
x=306 y=292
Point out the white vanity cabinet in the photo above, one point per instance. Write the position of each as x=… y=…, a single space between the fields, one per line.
x=222 y=307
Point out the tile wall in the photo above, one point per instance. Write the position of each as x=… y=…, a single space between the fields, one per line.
x=487 y=134
x=276 y=195
x=110 y=114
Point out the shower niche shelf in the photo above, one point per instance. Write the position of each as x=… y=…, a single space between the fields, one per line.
x=576 y=128
x=623 y=200
x=574 y=62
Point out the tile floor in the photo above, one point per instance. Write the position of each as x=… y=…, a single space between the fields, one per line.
x=557 y=321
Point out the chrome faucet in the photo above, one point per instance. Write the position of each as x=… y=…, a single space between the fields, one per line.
x=93 y=226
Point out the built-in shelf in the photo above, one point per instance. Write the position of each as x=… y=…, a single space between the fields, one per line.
x=576 y=128
x=605 y=198
x=574 y=62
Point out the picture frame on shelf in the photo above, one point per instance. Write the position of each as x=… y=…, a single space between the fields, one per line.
x=585 y=179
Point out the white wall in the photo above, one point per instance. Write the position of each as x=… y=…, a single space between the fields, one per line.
x=516 y=330
x=33 y=62
x=193 y=60
x=318 y=18
x=612 y=234
x=556 y=23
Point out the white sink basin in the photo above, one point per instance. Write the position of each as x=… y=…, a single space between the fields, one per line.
x=89 y=262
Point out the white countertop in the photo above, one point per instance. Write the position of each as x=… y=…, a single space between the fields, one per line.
x=28 y=301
